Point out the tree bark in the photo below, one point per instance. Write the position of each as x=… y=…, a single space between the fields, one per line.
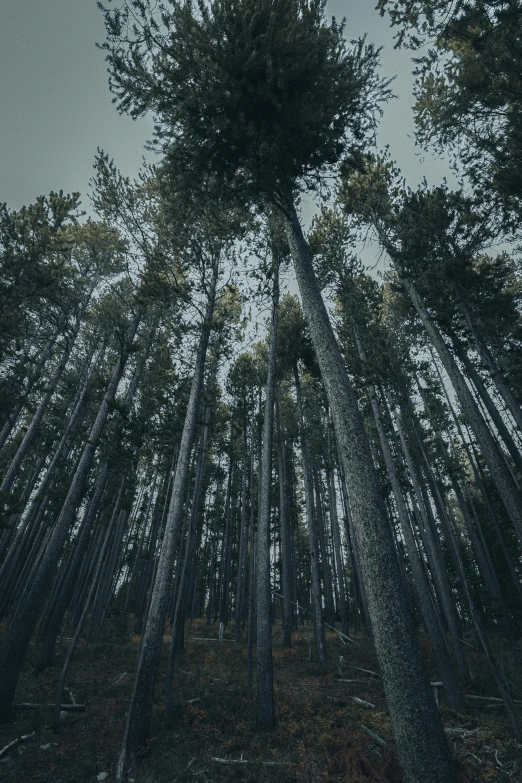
x=284 y=522
x=440 y=649
x=52 y=628
x=491 y=452
x=487 y=358
x=421 y=743
x=317 y=608
x=243 y=539
x=20 y=635
x=140 y=711
x=265 y=677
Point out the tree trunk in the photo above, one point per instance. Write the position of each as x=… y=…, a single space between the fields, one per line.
x=20 y=635
x=265 y=677
x=435 y=558
x=336 y=533
x=438 y=642
x=52 y=628
x=323 y=547
x=490 y=406
x=30 y=433
x=421 y=743
x=243 y=538
x=284 y=522
x=317 y=609
x=491 y=452
x=189 y=551
x=139 y=716
x=72 y=648
x=486 y=357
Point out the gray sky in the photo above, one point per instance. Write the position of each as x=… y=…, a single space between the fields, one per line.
x=55 y=104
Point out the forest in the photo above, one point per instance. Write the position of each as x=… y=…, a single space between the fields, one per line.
x=261 y=501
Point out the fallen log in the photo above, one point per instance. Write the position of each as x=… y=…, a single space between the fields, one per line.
x=22 y=738
x=375 y=737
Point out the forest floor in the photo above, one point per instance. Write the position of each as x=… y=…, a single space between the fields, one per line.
x=319 y=734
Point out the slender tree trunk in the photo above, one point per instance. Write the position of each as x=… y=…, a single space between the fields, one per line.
x=490 y=406
x=226 y=553
x=61 y=683
x=285 y=538
x=12 y=418
x=243 y=536
x=491 y=452
x=140 y=711
x=189 y=552
x=435 y=558
x=317 y=609
x=32 y=429
x=334 y=521
x=421 y=743
x=52 y=628
x=137 y=560
x=359 y=591
x=265 y=676
x=486 y=357
x=440 y=649
x=325 y=562
x=20 y=635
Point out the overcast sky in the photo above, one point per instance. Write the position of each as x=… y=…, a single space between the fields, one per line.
x=55 y=104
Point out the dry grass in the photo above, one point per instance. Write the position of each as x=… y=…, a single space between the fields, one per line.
x=318 y=736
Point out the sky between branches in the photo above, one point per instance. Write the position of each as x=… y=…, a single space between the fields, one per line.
x=56 y=106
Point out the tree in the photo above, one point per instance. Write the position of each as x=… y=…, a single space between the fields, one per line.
x=468 y=87
x=262 y=98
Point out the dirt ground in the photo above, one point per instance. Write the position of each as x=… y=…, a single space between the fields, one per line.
x=321 y=733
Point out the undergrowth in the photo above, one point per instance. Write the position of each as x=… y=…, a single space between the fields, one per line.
x=213 y=738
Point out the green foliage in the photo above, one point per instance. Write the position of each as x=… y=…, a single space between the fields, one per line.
x=469 y=87
x=34 y=262
x=259 y=95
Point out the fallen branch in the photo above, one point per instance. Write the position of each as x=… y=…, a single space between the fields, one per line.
x=25 y=705
x=489 y=698
x=375 y=682
x=247 y=761
x=185 y=770
x=22 y=738
x=471 y=645
x=45 y=684
x=366 y=671
x=118 y=679
x=341 y=634
x=363 y=703
x=375 y=737
x=209 y=639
